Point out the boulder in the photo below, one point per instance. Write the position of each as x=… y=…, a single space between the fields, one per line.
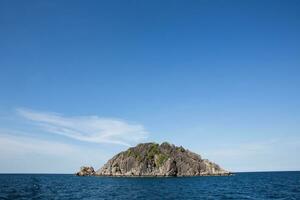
x=86 y=171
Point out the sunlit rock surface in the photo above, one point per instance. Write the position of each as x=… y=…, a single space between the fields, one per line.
x=152 y=159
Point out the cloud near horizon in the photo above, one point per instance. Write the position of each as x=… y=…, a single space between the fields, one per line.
x=28 y=154
x=87 y=128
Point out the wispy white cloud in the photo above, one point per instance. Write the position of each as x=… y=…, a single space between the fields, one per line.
x=25 y=153
x=87 y=128
x=21 y=145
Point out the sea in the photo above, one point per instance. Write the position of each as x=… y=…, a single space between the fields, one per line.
x=255 y=185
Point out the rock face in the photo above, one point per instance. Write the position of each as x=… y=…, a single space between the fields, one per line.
x=86 y=171
x=151 y=159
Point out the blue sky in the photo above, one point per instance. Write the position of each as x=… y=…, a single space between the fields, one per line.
x=83 y=80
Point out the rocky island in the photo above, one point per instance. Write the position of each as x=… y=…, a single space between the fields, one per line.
x=152 y=159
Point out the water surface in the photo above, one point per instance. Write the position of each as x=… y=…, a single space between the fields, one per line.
x=258 y=185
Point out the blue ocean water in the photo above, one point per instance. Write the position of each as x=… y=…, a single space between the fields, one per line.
x=258 y=185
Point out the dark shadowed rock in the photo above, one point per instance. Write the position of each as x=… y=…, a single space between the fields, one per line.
x=151 y=159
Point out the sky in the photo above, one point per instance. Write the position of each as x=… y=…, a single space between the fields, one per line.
x=83 y=80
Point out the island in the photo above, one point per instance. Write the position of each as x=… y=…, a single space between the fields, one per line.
x=152 y=159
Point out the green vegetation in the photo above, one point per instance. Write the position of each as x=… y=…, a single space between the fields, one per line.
x=129 y=153
x=165 y=144
x=181 y=149
x=162 y=158
x=136 y=155
x=150 y=154
x=153 y=151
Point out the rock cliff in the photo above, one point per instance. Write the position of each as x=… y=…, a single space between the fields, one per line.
x=151 y=159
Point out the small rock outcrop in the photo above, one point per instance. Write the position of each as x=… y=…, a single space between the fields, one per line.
x=86 y=171
x=152 y=159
